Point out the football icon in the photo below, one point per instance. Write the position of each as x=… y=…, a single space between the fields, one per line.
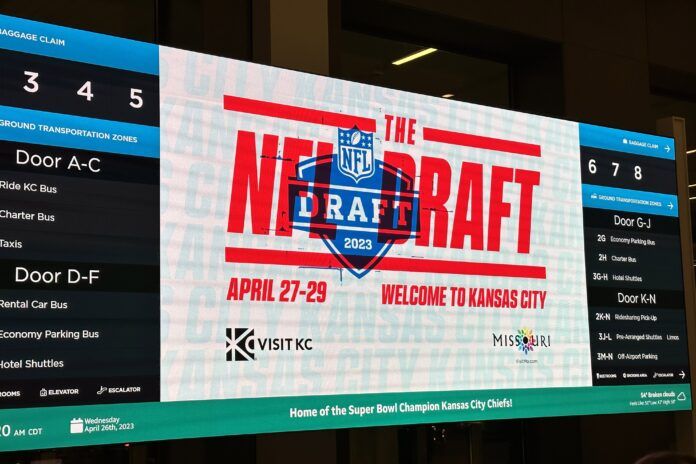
x=355 y=137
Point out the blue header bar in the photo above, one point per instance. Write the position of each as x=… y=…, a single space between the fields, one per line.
x=632 y=201
x=23 y=35
x=626 y=141
x=63 y=130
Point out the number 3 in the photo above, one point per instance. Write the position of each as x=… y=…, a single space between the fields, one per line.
x=136 y=99
x=32 y=86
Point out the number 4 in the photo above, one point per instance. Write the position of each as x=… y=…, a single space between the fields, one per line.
x=86 y=90
x=136 y=99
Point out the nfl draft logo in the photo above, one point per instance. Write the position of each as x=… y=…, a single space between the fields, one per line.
x=355 y=156
x=343 y=187
x=358 y=205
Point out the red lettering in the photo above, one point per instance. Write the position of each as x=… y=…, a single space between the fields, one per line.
x=389 y=118
x=292 y=150
x=253 y=186
x=247 y=179
x=244 y=288
x=388 y=294
x=407 y=166
x=403 y=206
x=233 y=289
x=256 y=290
x=323 y=148
x=400 y=129
x=433 y=201
x=411 y=131
x=527 y=180
x=470 y=190
x=497 y=208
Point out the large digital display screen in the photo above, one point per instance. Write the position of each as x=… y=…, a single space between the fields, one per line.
x=197 y=246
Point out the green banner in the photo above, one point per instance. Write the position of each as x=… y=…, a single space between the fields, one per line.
x=36 y=428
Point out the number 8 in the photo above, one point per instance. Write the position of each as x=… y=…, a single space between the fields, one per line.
x=637 y=173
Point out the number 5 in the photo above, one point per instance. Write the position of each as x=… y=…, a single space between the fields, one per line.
x=32 y=86
x=136 y=99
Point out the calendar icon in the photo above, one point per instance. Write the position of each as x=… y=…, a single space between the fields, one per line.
x=77 y=426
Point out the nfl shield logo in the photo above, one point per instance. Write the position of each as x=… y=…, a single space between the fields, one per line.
x=355 y=156
x=358 y=225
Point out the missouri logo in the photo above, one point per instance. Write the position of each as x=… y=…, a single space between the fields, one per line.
x=524 y=340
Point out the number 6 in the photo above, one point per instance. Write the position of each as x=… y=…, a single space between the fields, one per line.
x=592 y=166
x=136 y=99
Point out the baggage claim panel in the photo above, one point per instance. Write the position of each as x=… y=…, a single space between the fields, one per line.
x=632 y=258
x=79 y=230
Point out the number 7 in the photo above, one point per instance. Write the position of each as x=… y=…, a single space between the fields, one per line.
x=295 y=287
x=616 y=168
